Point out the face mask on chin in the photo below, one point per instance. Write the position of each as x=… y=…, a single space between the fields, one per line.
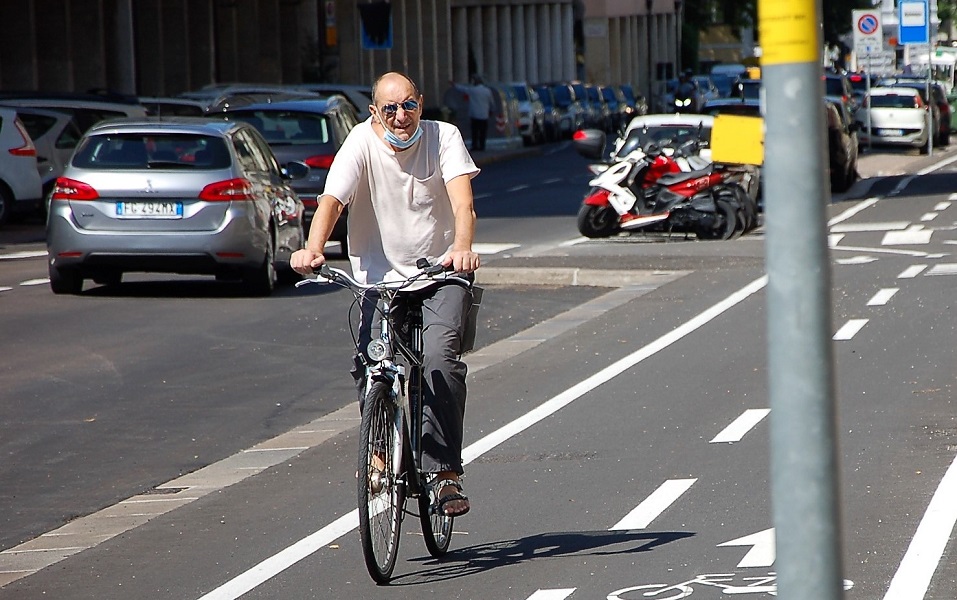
x=398 y=142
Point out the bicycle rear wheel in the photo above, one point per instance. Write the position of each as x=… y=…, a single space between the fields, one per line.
x=381 y=494
x=436 y=528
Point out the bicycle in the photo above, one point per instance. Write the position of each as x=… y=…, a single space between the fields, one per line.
x=390 y=431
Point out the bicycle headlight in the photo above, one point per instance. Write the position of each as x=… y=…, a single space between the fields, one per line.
x=377 y=350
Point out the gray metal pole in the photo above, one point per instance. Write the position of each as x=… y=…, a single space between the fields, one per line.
x=804 y=464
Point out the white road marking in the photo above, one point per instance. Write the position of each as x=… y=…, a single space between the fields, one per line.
x=278 y=563
x=942 y=206
x=882 y=297
x=944 y=269
x=928 y=216
x=553 y=180
x=915 y=234
x=642 y=515
x=29 y=282
x=914 y=574
x=762 y=553
x=5 y=289
x=912 y=271
x=864 y=227
x=24 y=254
x=518 y=188
x=492 y=248
x=834 y=239
x=856 y=260
x=742 y=425
x=847 y=214
x=952 y=197
x=849 y=330
x=573 y=242
x=552 y=594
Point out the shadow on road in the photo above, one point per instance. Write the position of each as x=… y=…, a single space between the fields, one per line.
x=472 y=560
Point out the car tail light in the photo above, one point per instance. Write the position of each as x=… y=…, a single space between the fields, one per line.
x=224 y=191
x=27 y=149
x=320 y=161
x=71 y=189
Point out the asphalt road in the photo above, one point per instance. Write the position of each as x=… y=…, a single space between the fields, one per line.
x=617 y=435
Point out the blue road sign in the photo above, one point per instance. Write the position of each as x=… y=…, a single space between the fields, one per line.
x=913 y=19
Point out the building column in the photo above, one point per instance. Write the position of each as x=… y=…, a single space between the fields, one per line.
x=568 y=41
x=531 y=46
x=490 y=45
x=460 y=41
x=544 y=72
x=518 y=42
x=505 y=44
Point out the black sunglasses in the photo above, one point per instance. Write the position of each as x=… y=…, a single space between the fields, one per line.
x=407 y=106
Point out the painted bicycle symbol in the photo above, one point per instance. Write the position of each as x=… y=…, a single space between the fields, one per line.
x=726 y=582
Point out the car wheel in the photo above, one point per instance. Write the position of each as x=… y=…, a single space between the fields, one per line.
x=65 y=281
x=261 y=280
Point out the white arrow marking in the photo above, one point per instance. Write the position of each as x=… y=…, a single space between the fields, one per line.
x=762 y=552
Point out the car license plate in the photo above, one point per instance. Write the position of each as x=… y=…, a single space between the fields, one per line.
x=892 y=132
x=141 y=210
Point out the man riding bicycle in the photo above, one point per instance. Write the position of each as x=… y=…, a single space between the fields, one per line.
x=408 y=186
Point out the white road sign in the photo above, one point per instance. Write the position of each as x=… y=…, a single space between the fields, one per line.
x=868 y=32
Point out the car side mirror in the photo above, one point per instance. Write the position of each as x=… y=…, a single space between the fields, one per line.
x=295 y=170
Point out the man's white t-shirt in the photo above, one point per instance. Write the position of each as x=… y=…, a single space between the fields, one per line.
x=399 y=207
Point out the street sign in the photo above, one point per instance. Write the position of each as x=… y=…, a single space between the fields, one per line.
x=868 y=32
x=913 y=18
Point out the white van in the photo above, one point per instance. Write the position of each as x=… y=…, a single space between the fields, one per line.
x=20 y=185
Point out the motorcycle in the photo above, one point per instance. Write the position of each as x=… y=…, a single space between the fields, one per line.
x=662 y=186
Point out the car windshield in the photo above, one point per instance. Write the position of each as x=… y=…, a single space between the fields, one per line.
x=563 y=96
x=665 y=136
x=521 y=92
x=287 y=127
x=152 y=151
x=894 y=101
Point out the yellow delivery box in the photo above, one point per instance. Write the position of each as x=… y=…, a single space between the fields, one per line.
x=738 y=139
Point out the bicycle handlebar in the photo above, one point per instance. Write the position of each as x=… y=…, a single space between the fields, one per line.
x=437 y=272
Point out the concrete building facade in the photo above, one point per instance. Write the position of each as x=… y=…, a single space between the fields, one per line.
x=165 y=47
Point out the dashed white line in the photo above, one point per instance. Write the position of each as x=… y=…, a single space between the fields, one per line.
x=849 y=330
x=557 y=594
x=915 y=234
x=944 y=269
x=655 y=504
x=864 y=227
x=742 y=425
x=42 y=281
x=942 y=206
x=928 y=216
x=912 y=271
x=518 y=188
x=882 y=297
x=24 y=254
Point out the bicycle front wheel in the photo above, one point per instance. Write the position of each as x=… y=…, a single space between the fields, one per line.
x=436 y=528
x=381 y=493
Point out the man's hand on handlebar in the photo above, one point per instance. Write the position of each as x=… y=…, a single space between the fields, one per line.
x=462 y=261
x=306 y=262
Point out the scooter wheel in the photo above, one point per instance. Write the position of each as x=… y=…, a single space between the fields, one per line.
x=597 y=221
x=725 y=225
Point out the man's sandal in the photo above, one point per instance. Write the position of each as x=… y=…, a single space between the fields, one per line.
x=438 y=507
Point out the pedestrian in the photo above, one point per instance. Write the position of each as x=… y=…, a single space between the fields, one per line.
x=481 y=101
x=407 y=183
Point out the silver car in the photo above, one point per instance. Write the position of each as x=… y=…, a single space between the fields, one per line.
x=188 y=195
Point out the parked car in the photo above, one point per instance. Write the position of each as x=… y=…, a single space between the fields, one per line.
x=617 y=106
x=593 y=117
x=172 y=107
x=20 y=185
x=747 y=107
x=594 y=96
x=637 y=102
x=746 y=88
x=359 y=95
x=190 y=195
x=557 y=124
x=308 y=131
x=213 y=93
x=898 y=117
x=86 y=109
x=940 y=107
x=531 y=113
x=837 y=88
x=843 y=147
x=570 y=105
x=55 y=135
